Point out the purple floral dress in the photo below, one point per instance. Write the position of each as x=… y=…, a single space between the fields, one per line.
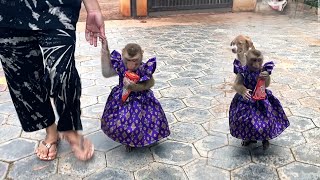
x=140 y=121
x=256 y=120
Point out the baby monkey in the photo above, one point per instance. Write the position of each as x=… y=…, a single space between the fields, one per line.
x=132 y=55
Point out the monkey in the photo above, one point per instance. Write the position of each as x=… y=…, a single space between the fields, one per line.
x=241 y=44
x=132 y=56
x=249 y=119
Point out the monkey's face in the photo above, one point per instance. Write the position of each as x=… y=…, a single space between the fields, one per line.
x=255 y=64
x=132 y=63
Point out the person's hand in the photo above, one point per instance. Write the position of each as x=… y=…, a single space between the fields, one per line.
x=264 y=75
x=246 y=94
x=94 y=27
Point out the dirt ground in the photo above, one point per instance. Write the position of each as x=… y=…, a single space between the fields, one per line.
x=110 y=10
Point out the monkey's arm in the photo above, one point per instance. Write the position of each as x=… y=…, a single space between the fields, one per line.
x=240 y=88
x=106 y=66
x=265 y=74
x=145 y=85
x=268 y=80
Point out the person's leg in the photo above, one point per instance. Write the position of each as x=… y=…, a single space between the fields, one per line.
x=23 y=66
x=58 y=47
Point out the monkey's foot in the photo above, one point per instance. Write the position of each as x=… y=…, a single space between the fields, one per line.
x=247 y=142
x=265 y=144
x=128 y=148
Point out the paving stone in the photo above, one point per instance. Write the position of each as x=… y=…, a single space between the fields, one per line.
x=195 y=67
x=94 y=111
x=211 y=80
x=310 y=102
x=187 y=132
x=7 y=108
x=36 y=135
x=112 y=174
x=176 y=92
x=161 y=172
x=255 y=171
x=206 y=91
x=217 y=125
x=129 y=161
x=32 y=168
x=172 y=69
x=274 y=156
x=183 y=82
x=305 y=112
x=175 y=153
x=209 y=143
x=95 y=91
x=171 y=118
x=199 y=169
x=176 y=62
x=103 y=99
x=90 y=125
x=4 y=167
x=171 y=104
x=229 y=157
x=13 y=120
x=70 y=165
x=289 y=139
x=88 y=100
x=3 y=119
x=308 y=153
x=8 y=132
x=300 y=124
x=191 y=74
x=199 y=102
x=193 y=115
x=312 y=136
x=220 y=111
x=102 y=142
x=5 y=97
x=160 y=85
x=62 y=177
x=16 y=149
x=297 y=171
x=108 y=82
x=87 y=83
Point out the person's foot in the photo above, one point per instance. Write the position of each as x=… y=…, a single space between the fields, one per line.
x=248 y=142
x=82 y=148
x=47 y=149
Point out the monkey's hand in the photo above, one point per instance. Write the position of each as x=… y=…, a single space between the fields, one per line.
x=246 y=94
x=142 y=86
x=127 y=83
x=264 y=75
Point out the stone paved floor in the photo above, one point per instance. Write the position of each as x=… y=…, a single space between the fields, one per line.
x=193 y=80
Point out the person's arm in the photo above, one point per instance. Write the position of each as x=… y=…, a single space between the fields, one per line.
x=94 y=22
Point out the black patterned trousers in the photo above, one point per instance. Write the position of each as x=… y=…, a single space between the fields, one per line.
x=40 y=65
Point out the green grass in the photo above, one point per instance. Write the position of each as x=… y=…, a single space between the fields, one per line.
x=312 y=3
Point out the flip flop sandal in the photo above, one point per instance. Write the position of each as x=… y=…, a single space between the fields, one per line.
x=49 y=146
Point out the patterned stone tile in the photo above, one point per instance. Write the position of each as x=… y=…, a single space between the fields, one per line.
x=36 y=135
x=5 y=97
x=3 y=119
x=7 y=108
x=206 y=91
x=161 y=172
x=94 y=111
x=195 y=67
x=289 y=139
x=191 y=74
x=110 y=173
x=220 y=111
x=13 y=120
x=16 y=149
x=32 y=168
x=4 y=167
x=160 y=85
x=211 y=80
x=294 y=94
x=187 y=132
x=171 y=118
x=306 y=153
x=199 y=102
x=175 y=153
x=90 y=125
x=274 y=156
x=310 y=102
x=286 y=102
x=305 y=112
x=95 y=90
x=164 y=76
x=237 y=157
x=8 y=132
x=87 y=83
x=129 y=161
x=300 y=124
x=172 y=69
x=297 y=170
x=255 y=171
x=217 y=125
x=237 y=142
x=312 y=135
x=193 y=115
x=171 y=104
x=88 y=100
x=183 y=82
x=176 y=62
x=199 y=169
x=103 y=99
x=108 y=82
x=102 y=142
x=70 y=165
x=176 y=92
x=209 y=143
x=62 y=177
